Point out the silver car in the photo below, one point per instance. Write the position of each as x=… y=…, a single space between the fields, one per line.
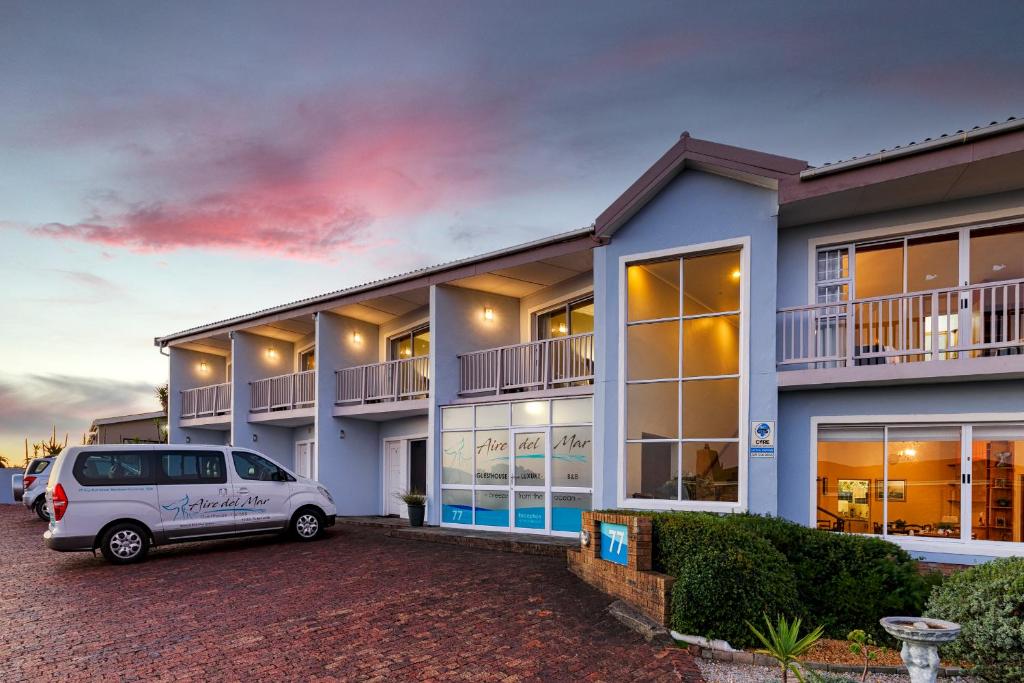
x=33 y=486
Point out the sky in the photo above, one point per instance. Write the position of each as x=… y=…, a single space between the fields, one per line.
x=163 y=165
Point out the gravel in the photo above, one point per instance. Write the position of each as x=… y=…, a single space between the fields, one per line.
x=722 y=672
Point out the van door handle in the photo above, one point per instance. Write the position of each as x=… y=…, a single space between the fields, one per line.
x=243 y=490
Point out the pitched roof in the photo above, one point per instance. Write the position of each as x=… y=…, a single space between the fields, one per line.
x=743 y=164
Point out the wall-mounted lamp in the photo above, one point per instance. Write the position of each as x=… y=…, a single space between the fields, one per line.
x=271 y=353
x=488 y=313
x=255 y=438
x=357 y=338
x=188 y=439
x=203 y=367
x=736 y=274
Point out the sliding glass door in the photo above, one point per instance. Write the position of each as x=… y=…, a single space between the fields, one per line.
x=937 y=481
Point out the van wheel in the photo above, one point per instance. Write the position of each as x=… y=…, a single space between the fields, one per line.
x=307 y=525
x=40 y=508
x=124 y=544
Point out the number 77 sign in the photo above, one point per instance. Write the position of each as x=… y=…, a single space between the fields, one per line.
x=615 y=543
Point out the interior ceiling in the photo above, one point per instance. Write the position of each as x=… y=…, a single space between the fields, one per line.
x=528 y=278
x=383 y=309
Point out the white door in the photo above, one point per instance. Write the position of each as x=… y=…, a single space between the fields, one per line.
x=195 y=495
x=394 y=478
x=305 y=460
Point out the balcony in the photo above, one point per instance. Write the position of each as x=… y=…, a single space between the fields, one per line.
x=534 y=366
x=937 y=330
x=206 y=401
x=396 y=380
x=283 y=392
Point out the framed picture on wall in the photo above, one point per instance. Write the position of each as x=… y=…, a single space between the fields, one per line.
x=897 y=490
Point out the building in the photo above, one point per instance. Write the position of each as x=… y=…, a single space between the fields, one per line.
x=138 y=428
x=840 y=345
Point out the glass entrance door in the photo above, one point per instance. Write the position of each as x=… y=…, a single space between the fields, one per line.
x=528 y=482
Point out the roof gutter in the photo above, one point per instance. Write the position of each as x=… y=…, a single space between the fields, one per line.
x=962 y=138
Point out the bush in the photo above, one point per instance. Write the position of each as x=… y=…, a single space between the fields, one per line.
x=988 y=602
x=843 y=582
x=725 y=576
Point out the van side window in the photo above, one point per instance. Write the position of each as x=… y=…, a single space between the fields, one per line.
x=254 y=468
x=114 y=468
x=192 y=467
x=38 y=467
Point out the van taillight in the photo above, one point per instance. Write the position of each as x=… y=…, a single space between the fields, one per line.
x=60 y=502
x=27 y=482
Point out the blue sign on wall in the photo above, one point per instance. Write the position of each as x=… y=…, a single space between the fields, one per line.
x=614 y=543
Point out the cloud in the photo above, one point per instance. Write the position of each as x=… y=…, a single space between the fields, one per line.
x=30 y=405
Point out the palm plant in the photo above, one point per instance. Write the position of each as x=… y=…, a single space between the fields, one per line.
x=53 y=446
x=162 y=395
x=783 y=643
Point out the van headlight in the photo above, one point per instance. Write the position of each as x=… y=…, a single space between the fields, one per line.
x=325 y=493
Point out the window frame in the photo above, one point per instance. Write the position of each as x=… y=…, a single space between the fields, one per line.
x=966 y=422
x=164 y=479
x=410 y=334
x=79 y=465
x=309 y=349
x=562 y=307
x=742 y=244
x=237 y=451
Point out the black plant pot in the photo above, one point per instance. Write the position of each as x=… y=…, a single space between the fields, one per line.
x=416 y=514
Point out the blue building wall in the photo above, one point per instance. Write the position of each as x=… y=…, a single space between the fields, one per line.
x=695 y=208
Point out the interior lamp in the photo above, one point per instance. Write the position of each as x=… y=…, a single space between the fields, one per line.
x=736 y=274
x=561 y=328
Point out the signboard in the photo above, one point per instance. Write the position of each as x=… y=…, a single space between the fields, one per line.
x=615 y=543
x=762 y=439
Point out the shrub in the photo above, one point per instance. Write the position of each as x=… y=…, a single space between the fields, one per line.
x=988 y=602
x=843 y=582
x=725 y=576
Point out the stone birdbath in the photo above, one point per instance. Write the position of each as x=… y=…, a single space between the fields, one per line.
x=921 y=638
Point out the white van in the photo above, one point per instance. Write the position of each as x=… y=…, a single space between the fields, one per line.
x=122 y=499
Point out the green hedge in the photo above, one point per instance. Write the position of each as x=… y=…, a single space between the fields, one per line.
x=731 y=569
x=844 y=582
x=988 y=603
x=725 y=576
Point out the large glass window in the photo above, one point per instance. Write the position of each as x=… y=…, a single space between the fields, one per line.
x=935 y=481
x=574 y=317
x=412 y=344
x=682 y=378
x=547 y=445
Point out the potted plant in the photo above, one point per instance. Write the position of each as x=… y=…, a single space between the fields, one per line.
x=417 y=504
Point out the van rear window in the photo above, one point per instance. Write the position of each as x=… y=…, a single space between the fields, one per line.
x=192 y=467
x=124 y=468
x=38 y=467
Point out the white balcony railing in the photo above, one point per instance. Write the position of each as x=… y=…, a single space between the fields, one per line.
x=394 y=380
x=543 y=364
x=283 y=392
x=942 y=324
x=206 y=401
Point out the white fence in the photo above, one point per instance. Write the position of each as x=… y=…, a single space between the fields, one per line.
x=942 y=324
x=283 y=392
x=391 y=381
x=207 y=401
x=543 y=364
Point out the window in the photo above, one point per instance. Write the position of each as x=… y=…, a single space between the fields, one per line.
x=682 y=374
x=412 y=344
x=38 y=467
x=507 y=465
x=192 y=467
x=253 y=467
x=575 y=317
x=933 y=481
x=114 y=468
x=307 y=359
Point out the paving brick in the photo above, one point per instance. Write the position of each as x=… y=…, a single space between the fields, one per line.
x=357 y=606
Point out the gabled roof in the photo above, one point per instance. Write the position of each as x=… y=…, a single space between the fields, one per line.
x=743 y=164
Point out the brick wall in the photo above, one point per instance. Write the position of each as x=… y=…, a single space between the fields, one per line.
x=646 y=590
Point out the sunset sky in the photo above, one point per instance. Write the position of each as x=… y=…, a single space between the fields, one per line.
x=169 y=164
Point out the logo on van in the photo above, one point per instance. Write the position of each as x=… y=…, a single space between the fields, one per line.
x=202 y=507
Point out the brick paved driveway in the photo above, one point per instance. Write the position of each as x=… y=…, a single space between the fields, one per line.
x=355 y=606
